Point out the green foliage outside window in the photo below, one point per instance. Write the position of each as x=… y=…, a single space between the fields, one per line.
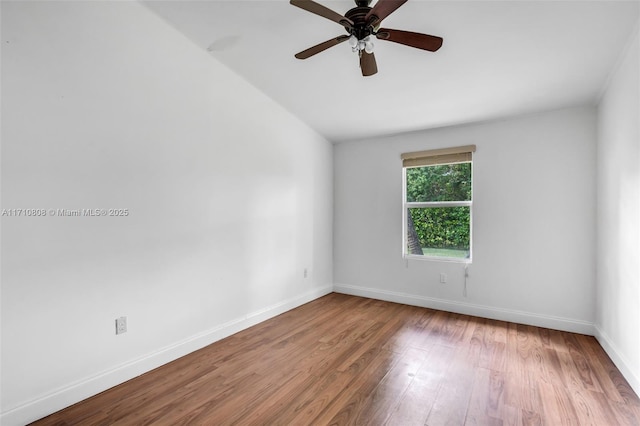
x=440 y=227
x=444 y=227
x=448 y=182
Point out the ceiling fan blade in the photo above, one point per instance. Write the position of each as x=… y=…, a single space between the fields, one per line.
x=320 y=10
x=321 y=47
x=408 y=38
x=382 y=9
x=368 y=64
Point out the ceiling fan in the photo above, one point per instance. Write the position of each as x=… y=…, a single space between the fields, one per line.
x=362 y=23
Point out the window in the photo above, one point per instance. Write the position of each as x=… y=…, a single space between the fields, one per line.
x=438 y=197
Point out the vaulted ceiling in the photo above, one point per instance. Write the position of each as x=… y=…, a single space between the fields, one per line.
x=499 y=58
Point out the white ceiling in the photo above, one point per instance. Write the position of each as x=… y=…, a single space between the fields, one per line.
x=499 y=58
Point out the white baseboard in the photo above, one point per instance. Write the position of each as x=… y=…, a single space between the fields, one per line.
x=78 y=391
x=521 y=317
x=618 y=359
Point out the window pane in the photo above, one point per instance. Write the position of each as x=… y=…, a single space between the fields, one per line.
x=447 y=182
x=439 y=231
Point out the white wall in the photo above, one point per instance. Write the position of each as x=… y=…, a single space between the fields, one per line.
x=618 y=218
x=533 y=221
x=229 y=198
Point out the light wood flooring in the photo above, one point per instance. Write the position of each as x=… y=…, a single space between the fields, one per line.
x=347 y=360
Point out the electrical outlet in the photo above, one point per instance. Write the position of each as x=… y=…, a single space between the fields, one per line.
x=443 y=277
x=306 y=273
x=121 y=325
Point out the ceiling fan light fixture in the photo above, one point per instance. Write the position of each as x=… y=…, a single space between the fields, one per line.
x=365 y=44
x=368 y=45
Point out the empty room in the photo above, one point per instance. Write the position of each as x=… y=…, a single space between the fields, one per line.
x=301 y=212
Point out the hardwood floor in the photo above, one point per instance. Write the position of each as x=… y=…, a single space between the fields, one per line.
x=348 y=360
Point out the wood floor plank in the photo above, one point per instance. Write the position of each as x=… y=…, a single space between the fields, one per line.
x=558 y=408
x=358 y=379
x=608 y=376
x=486 y=397
x=552 y=368
x=582 y=364
x=626 y=414
x=452 y=402
x=379 y=404
x=348 y=360
x=520 y=388
x=414 y=321
x=416 y=402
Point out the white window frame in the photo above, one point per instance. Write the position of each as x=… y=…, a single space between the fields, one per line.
x=434 y=204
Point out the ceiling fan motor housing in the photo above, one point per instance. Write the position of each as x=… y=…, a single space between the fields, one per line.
x=361 y=28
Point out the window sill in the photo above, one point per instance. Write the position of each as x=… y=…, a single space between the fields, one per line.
x=465 y=260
